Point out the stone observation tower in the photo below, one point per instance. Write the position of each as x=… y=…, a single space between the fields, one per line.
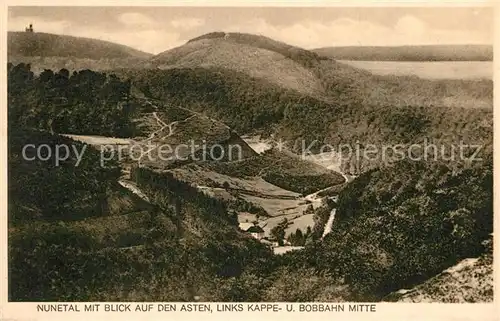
x=30 y=28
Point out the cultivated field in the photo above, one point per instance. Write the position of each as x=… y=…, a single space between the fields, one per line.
x=100 y=140
x=428 y=69
x=300 y=223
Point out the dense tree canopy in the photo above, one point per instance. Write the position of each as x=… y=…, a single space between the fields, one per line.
x=85 y=102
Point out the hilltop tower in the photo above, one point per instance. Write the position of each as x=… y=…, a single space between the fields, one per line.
x=30 y=28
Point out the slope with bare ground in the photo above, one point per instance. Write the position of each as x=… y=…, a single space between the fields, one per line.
x=179 y=134
x=469 y=281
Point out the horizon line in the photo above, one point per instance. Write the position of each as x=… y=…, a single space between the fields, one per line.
x=312 y=49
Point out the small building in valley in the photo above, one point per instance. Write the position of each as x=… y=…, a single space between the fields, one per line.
x=244 y=226
x=256 y=231
x=252 y=228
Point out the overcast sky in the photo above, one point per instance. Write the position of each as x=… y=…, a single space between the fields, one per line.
x=155 y=29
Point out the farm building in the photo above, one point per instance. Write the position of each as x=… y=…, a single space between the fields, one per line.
x=245 y=226
x=255 y=230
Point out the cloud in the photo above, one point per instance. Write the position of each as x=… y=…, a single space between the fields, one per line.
x=187 y=23
x=135 y=19
x=407 y=30
x=148 y=38
x=410 y=25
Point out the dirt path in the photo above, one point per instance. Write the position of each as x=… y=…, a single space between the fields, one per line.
x=194 y=113
x=313 y=197
x=206 y=117
x=329 y=223
x=153 y=135
x=344 y=176
x=134 y=189
x=161 y=122
x=130 y=185
x=163 y=126
x=252 y=193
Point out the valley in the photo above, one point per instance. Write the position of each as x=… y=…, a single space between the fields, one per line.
x=276 y=203
x=198 y=183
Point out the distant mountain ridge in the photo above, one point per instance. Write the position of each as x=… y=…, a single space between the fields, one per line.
x=52 y=45
x=51 y=51
x=409 y=53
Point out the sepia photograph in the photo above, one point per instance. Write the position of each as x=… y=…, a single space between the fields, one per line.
x=315 y=155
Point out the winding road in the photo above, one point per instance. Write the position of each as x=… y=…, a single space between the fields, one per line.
x=163 y=126
x=329 y=223
x=313 y=198
x=134 y=189
x=161 y=123
x=130 y=185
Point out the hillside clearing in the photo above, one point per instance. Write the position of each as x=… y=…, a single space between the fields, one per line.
x=427 y=69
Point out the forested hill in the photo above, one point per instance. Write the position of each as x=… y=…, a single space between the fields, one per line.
x=76 y=233
x=84 y=102
x=51 y=51
x=33 y=44
x=87 y=238
x=410 y=53
x=256 y=84
x=255 y=56
x=395 y=228
x=248 y=104
x=305 y=57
